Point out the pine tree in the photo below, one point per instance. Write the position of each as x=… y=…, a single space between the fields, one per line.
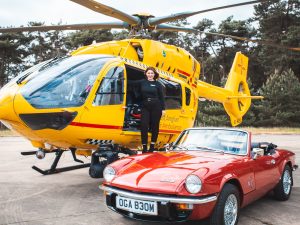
x=279 y=23
x=12 y=52
x=281 y=104
x=211 y=114
x=87 y=37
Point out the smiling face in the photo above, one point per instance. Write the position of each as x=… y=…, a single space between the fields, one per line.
x=150 y=75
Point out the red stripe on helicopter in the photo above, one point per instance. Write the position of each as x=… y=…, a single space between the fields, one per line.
x=95 y=125
x=113 y=127
x=171 y=131
x=194 y=85
x=183 y=73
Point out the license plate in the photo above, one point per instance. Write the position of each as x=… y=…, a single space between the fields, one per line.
x=136 y=206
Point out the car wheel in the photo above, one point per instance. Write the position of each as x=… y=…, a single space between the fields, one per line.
x=226 y=211
x=283 y=189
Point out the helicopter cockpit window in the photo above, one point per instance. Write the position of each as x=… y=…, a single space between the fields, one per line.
x=66 y=83
x=173 y=94
x=111 y=89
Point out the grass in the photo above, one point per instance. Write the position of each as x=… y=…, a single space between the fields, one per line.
x=272 y=130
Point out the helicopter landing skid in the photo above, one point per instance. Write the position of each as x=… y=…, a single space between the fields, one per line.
x=53 y=168
x=60 y=170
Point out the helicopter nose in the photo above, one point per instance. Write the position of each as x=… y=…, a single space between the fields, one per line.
x=6 y=103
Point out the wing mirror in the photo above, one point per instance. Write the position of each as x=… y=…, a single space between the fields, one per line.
x=257 y=152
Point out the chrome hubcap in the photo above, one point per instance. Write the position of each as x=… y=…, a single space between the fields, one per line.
x=231 y=210
x=287 y=182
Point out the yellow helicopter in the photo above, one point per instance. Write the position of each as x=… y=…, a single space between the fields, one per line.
x=84 y=103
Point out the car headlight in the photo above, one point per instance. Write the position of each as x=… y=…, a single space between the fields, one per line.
x=109 y=173
x=193 y=184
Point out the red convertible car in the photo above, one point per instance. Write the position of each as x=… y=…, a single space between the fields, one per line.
x=207 y=172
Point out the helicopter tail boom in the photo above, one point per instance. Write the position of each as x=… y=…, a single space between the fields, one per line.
x=235 y=96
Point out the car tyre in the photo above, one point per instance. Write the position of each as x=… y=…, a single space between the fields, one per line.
x=227 y=209
x=283 y=189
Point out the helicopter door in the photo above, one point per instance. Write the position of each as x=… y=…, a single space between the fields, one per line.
x=105 y=112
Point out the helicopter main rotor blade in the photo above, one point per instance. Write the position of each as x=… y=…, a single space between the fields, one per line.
x=167 y=27
x=163 y=19
x=108 y=11
x=262 y=42
x=88 y=26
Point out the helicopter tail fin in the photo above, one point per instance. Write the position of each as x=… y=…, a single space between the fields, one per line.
x=239 y=102
x=235 y=96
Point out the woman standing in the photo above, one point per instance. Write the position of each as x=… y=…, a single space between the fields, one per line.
x=153 y=106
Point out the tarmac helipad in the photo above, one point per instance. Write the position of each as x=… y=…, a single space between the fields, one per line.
x=27 y=197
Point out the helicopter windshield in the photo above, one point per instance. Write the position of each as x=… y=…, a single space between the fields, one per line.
x=65 y=83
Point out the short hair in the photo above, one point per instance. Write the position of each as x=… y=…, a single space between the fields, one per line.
x=156 y=75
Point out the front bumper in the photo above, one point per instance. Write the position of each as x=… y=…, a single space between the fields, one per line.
x=167 y=210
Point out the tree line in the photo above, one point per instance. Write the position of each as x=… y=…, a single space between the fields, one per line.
x=273 y=72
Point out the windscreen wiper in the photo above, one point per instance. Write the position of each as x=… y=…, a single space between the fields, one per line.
x=180 y=147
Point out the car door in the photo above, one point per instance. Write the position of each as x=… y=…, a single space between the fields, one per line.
x=266 y=172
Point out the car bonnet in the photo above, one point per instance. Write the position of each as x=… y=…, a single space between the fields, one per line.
x=164 y=172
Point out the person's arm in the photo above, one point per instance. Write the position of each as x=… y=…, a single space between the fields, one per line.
x=161 y=96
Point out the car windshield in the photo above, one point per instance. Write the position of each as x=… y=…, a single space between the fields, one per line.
x=65 y=82
x=215 y=140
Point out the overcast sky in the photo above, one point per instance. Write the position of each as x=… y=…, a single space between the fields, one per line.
x=20 y=12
